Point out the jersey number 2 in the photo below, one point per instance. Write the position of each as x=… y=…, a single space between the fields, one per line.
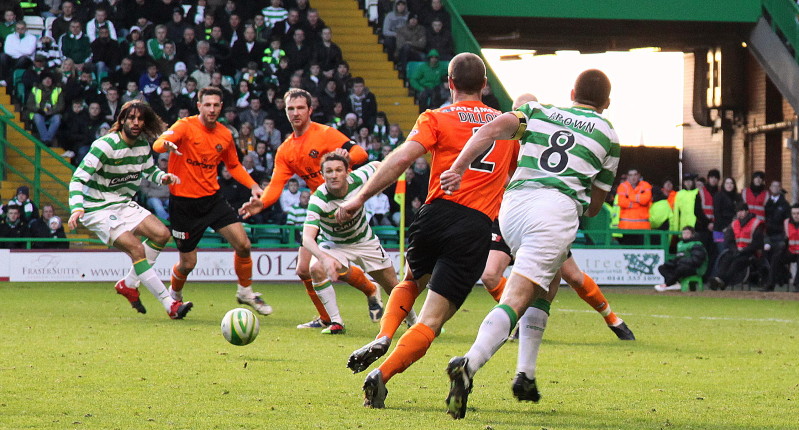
x=480 y=164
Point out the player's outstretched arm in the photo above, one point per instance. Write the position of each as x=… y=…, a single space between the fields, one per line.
x=252 y=207
x=501 y=127
x=392 y=167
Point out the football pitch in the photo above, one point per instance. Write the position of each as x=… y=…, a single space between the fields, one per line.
x=78 y=356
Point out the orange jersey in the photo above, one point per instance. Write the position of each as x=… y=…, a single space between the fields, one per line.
x=303 y=156
x=444 y=133
x=203 y=149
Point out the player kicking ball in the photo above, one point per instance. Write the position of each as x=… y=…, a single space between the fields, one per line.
x=101 y=193
x=334 y=246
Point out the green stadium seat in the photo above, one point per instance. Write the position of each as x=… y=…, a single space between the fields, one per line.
x=18 y=86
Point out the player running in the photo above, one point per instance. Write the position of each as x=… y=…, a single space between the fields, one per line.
x=568 y=160
x=301 y=154
x=198 y=144
x=340 y=244
x=101 y=193
x=449 y=239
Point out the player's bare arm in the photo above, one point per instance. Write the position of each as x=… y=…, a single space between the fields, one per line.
x=504 y=127
x=392 y=167
x=169 y=178
x=74 y=217
x=309 y=233
x=597 y=199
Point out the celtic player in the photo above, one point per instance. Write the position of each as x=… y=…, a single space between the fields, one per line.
x=567 y=163
x=101 y=193
x=335 y=245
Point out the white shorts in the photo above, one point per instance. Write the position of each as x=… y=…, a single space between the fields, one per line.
x=539 y=226
x=109 y=223
x=369 y=255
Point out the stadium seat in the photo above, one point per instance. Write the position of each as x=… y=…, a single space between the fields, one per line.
x=48 y=25
x=18 y=86
x=35 y=24
x=692 y=283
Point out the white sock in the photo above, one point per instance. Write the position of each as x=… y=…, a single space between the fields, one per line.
x=531 y=332
x=176 y=295
x=327 y=295
x=492 y=335
x=153 y=284
x=244 y=291
x=151 y=254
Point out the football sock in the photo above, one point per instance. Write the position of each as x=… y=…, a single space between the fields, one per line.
x=590 y=293
x=497 y=291
x=178 y=278
x=151 y=252
x=357 y=279
x=531 y=332
x=327 y=295
x=399 y=304
x=411 y=347
x=243 y=267
x=320 y=308
x=493 y=333
x=150 y=279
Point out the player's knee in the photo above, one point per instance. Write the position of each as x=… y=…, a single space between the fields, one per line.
x=303 y=272
x=491 y=279
x=317 y=271
x=573 y=278
x=243 y=249
x=162 y=236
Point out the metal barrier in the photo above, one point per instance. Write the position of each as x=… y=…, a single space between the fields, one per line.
x=784 y=19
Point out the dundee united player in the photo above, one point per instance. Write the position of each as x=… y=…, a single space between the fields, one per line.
x=449 y=239
x=567 y=163
x=101 y=193
x=198 y=144
x=301 y=154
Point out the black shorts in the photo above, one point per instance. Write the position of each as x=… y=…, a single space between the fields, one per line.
x=450 y=242
x=497 y=242
x=190 y=216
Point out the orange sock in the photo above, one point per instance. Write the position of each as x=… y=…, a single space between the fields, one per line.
x=243 y=267
x=400 y=302
x=178 y=278
x=496 y=292
x=411 y=347
x=591 y=294
x=357 y=279
x=316 y=302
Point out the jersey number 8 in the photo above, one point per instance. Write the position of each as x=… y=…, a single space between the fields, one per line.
x=559 y=143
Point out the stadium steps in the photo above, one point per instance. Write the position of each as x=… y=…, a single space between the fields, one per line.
x=8 y=187
x=359 y=44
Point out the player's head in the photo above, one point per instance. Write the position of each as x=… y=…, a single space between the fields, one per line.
x=137 y=118
x=298 y=107
x=209 y=104
x=523 y=99
x=592 y=88
x=467 y=73
x=334 y=169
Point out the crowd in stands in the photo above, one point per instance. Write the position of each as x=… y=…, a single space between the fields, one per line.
x=754 y=227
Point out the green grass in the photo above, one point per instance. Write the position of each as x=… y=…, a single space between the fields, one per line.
x=77 y=356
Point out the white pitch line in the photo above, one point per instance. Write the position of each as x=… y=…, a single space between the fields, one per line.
x=779 y=320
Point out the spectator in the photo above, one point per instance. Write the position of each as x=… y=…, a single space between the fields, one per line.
x=204 y=73
x=50 y=8
x=377 y=210
x=176 y=28
x=268 y=133
x=261 y=30
x=48 y=226
x=426 y=80
x=47 y=48
x=296 y=213
x=298 y=51
x=166 y=64
x=150 y=82
x=434 y=12
x=380 y=129
x=411 y=43
x=327 y=53
x=362 y=137
x=187 y=46
x=391 y=23
x=314 y=26
x=231 y=119
x=343 y=77
x=45 y=104
x=791 y=254
x=671 y=195
x=61 y=24
x=13 y=228
x=253 y=115
x=744 y=239
x=724 y=203
x=247 y=49
x=33 y=75
x=140 y=58
x=248 y=162
x=362 y=102
x=440 y=39
x=350 y=126
x=659 y=213
x=233 y=31
x=243 y=95
x=274 y=13
x=110 y=105
x=282 y=123
x=76 y=45
x=99 y=21
x=778 y=210
x=234 y=193
x=285 y=29
x=635 y=198
x=329 y=96
x=395 y=137
x=203 y=30
x=315 y=81
x=75 y=131
x=273 y=55
x=124 y=74
x=133 y=93
x=178 y=80
x=86 y=88
x=290 y=196
x=703 y=211
x=27 y=209
x=197 y=59
x=155 y=46
x=105 y=52
x=713 y=178
x=263 y=158
x=166 y=106
x=9 y=22
x=374 y=148
x=691 y=258
x=188 y=95
x=18 y=51
x=684 y=204
x=755 y=195
x=157 y=195
x=245 y=143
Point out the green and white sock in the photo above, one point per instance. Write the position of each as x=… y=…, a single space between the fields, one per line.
x=531 y=333
x=492 y=335
x=151 y=251
x=327 y=295
x=153 y=284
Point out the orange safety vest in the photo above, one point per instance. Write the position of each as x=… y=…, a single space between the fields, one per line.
x=634 y=205
x=707 y=203
x=756 y=203
x=792 y=232
x=743 y=235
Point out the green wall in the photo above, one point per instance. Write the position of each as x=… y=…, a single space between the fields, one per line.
x=656 y=10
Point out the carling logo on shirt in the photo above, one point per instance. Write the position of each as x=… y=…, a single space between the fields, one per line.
x=123 y=179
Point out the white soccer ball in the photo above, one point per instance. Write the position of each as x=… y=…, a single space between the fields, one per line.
x=240 y=326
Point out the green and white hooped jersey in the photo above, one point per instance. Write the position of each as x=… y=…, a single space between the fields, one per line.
x=322 y=212
x=111 y=173
x=569 y=149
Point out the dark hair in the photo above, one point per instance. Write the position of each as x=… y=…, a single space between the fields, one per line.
x=297 y=93
x=358 y=80
x=294 y=180
x=714 y=173
x=17 y=207
x=795 y=206
x=153 y=125
x=741 y=206
x=592 y=88
x=689 y=228
x=332 y=156
x=468 y=73
x=209 y=91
